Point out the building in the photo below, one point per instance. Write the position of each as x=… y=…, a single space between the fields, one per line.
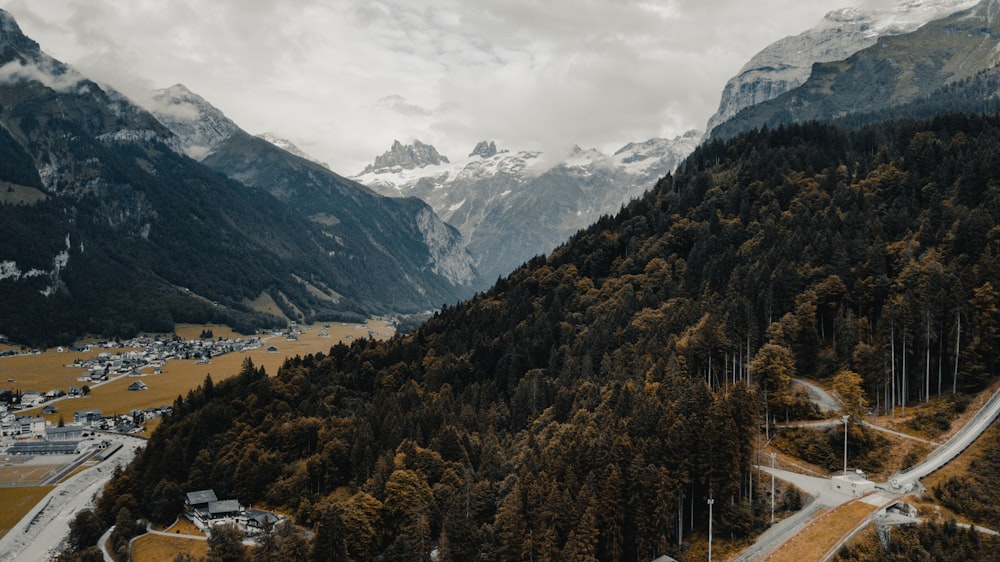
x=40 y=447
x=204 y=509
x=199 y=499
x=66 y=433
x=31 y=426
x=32 y=398
x=138 y=385
x=87 y=416
x=852 y=483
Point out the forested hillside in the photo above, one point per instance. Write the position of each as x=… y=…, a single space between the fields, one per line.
x=586 y=406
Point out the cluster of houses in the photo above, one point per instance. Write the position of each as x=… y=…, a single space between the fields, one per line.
x=205 y=511
x=154 y=353
x=144 y=353
x=34 y=436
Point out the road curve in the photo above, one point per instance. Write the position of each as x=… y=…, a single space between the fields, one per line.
x=951 y=448
x=819 y=396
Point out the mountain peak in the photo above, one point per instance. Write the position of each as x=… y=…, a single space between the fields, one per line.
x=787 y=63
x=484 y=149
x=199 y=125
x=11 y=34
x=289 y=147
x=406 y=157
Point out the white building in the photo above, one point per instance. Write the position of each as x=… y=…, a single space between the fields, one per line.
x=853 y=483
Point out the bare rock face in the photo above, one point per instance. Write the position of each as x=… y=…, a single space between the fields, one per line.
x=511 y=205
x=10 y=34
x=407 y=157
x=787 y=63
x=484 y=149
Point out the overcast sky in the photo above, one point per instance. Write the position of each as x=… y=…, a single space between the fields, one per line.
x=342 y=79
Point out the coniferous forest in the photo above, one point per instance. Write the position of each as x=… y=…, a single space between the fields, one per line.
x=587 y=405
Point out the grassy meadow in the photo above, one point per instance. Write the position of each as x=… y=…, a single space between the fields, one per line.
x=18 y=501
x=53 y=369
x=155 y=548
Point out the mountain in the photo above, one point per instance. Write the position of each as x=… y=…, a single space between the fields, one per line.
x=110 y=228
x=510 y=206
x=573 y=410
x=405 y=157
x=288 y=146
x=398 y=248
x=896 y=71
x=787 y=63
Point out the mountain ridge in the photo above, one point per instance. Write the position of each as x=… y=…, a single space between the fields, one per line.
x=512 y=205
x=130 y=234
x=897 y=70
x=787 y=63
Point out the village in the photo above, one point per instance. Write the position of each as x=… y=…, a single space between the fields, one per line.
x=33 y=435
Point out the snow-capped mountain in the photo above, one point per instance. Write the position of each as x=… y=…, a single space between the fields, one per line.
x=512 y=205
x=199 y=125
x=289 y=147
x=787 y=63
x=405 y=157
x=946 y=65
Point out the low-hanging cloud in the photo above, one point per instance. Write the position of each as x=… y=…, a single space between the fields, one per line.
x=50 y=77
x=402 y=106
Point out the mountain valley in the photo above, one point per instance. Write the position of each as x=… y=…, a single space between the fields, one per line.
x=615 y=345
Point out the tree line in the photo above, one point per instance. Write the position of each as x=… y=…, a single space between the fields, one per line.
x=590 y=403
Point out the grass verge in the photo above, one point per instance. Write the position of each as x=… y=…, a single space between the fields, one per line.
x=17 y=502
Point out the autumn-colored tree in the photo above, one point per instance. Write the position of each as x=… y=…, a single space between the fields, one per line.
x=847 y=385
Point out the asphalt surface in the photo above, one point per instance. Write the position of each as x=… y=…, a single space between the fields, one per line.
x=39 y=534
x=900 y=484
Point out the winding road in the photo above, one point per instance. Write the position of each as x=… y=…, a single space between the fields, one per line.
x=899 y=485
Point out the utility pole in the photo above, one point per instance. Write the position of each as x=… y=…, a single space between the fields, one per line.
x=845 y=444
x=710 y=502
x=772 y=487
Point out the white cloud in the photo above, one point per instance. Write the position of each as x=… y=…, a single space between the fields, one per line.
x=343 y=79
x=16 y=71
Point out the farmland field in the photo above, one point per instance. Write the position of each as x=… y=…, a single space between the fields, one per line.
x=24 y=475
x=153 y=548
x=53 y=369
x=18 y=501
x=19 y=490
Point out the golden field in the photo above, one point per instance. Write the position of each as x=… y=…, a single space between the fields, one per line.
x=156 y=548
x=18 y=501
x=19 y=490
x=53 y=369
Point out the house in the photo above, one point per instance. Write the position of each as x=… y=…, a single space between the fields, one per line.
x=32 y=398
x=49 y=410
x=258 y=520
x=87 y=416
x=199 y=499
x=74 y=392
x=138 y=385
x=223 y=509
x=32 y=426
x=272 y=349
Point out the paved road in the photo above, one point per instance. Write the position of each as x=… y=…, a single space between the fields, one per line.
x=903 y=482
x=836 y=422
x=906 y=479
x=819 y=396
x=39 y=533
